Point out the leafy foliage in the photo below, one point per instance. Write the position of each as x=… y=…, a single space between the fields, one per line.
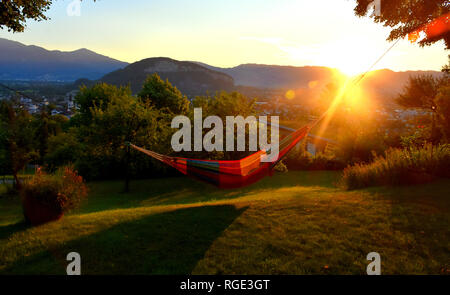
x=430 y=94
x=108 y=118
x=400 y=167
x=62 y=191
x=443 y=111
x=63 y=148
x=17 y=137
x=224 y=104
x=420 y=92
x=406 y=16
x=301 y=160
x=98 y=96
x=13 y=13
x=162 y=95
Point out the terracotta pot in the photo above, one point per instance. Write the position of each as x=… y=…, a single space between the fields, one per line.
x=37 y=213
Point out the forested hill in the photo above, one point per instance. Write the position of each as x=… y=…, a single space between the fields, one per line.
x=190 y=78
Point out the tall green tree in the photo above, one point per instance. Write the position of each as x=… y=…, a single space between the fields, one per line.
x=421 y=92
x=48 y=126
x=407 y=16
x=64 y=148
x=119 y=119
x=18 y=137
x=163 y=95
x=224 y=104
x=98 y=96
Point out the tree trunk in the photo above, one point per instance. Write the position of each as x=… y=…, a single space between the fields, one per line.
x=127 y=172
x=17 y=184
x=434 y=131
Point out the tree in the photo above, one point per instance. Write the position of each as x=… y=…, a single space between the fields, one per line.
x=63 y=149
x=42 y=135
x=124 y=118
x=406 y=17
x=224 y=104
x=98 y=96
x=443 y=110
x=14 y=13
x=18 y=137
x=5 y=163
x=162 y=95
x=421 y=92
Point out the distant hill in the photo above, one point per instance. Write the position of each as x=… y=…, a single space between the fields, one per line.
x=276 y=77
x=190 y=78
x=308 y=82
x=290 y=77
x=22 y=62
x=390 y=81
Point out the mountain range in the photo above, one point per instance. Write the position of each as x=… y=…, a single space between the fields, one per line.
x=274 y=76
x=22 y=62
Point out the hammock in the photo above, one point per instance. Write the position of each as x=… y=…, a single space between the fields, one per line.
x=231 y=174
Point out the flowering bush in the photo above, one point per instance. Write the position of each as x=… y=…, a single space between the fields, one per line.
x=60 y=192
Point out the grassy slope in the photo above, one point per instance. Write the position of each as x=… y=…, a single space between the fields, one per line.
x=295 y=223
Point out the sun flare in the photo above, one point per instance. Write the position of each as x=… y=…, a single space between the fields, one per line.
x=351 y=99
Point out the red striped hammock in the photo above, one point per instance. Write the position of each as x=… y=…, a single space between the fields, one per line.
x=231 y=174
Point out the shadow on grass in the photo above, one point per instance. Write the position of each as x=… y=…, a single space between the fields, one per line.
x=8 y=230
x=184 y=190
x=419 y=214
x=166 y=243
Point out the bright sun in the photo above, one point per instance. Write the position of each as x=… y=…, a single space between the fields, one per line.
x=350 y=70
x=352 y=59
x=349 y=67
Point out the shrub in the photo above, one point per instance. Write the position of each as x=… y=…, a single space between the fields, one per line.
x=301 y=160
x=359 y=146
x=281 y=167
x=400 y=166
x=60 y=192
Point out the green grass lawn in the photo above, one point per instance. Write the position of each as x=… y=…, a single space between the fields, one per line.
x=294 y=223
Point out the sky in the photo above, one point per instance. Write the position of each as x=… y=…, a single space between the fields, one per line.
x=228 y=33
